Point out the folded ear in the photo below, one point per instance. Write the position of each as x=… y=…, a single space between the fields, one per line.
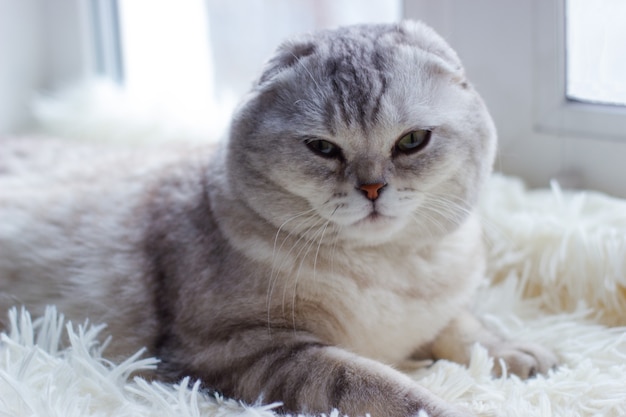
x=287 y=55
x=444 y=59
x=422 y=36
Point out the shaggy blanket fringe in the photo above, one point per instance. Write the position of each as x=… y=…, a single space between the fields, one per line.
x=557 y=276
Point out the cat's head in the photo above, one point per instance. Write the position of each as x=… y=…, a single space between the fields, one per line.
x=362 y=133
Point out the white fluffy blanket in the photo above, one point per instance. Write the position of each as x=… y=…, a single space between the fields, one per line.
x=557 y=277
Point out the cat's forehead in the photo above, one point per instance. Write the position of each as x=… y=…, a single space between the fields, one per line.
x=366 y=75
x=359 y=81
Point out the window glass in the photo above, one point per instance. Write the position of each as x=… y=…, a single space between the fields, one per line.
x=596 y=51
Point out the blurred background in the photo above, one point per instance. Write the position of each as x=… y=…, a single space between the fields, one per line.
x=553 y=72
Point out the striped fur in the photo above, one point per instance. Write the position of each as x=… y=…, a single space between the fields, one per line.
x=261 y=266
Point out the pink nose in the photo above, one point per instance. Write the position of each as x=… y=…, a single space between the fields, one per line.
x=372 y=190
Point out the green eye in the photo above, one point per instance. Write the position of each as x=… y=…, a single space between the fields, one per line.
x=324 y=148
x=413 y=141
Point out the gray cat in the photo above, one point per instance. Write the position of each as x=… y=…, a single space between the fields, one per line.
x=331 y=238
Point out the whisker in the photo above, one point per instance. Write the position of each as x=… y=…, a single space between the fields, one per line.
x=307 y=71
x=307 y=245
x=446 y=201
x=444 y=205
x=419 y=218
x=284 y=224
x=305 y=226
x=275 y=272
x=319 y=245
x=310 y=245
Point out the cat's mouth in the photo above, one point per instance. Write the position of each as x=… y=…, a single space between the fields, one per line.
x=374 y=217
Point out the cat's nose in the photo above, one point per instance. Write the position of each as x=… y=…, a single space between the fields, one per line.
x=372 y=191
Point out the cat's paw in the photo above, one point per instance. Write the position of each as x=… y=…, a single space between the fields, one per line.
x=442 y=409
x=448 y=411
x=525 y=360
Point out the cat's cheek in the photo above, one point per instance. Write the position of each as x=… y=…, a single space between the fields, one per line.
x=317 y=194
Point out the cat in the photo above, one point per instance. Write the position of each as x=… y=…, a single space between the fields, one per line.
x=332 y=237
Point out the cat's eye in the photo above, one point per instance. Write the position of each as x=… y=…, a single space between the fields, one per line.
x=324 y=148
x=413 y=141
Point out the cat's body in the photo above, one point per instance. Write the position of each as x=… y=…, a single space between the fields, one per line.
x=332 y=233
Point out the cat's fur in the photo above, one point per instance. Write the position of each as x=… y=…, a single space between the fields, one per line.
x=262 y=266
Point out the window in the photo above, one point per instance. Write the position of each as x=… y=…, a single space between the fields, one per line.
x=596 y=51
x=193 y=60
x=580 y=50
x=514 y=54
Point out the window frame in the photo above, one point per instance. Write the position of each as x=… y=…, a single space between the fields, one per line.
x=106 y=39
x=554 y=112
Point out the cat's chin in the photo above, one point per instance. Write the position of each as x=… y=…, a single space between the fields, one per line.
x=373 y=229
x=375 y=219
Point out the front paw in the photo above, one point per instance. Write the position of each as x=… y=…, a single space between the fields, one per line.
x=525 y=360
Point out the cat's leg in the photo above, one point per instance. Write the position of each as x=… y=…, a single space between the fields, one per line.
x=312 y=378
x=521 y=358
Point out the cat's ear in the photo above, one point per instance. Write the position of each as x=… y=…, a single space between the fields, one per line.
x=423 y=37
x=287 y=55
